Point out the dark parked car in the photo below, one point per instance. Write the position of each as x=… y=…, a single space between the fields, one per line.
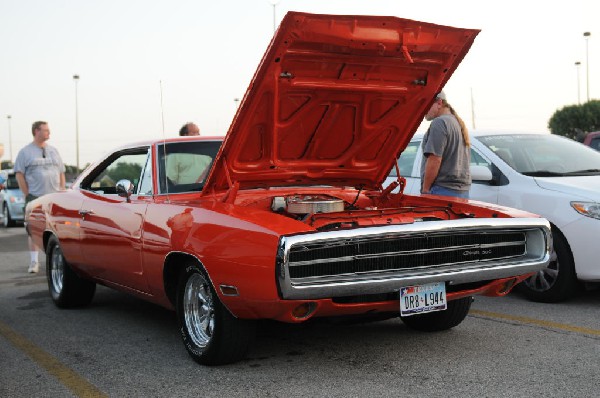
x=593 y=140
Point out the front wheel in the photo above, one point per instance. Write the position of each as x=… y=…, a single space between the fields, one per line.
x=556 y=282
x=67 y=289
x=211 y=335
x=440 y=320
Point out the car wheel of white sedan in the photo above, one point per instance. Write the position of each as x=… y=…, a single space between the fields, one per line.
x=211 y=335
x=440 y=320
x=558 y=281
x=7 y=220
x=67 y=289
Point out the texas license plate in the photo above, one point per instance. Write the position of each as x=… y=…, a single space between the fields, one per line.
x=421 y=299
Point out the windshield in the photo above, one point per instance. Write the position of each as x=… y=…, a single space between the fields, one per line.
x=544 y=155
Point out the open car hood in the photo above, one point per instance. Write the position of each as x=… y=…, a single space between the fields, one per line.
x=335 y=100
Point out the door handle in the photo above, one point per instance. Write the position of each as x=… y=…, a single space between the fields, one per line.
x=84 y=213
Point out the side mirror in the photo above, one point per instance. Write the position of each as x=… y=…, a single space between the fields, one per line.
x=125 y=189
x=481 y=174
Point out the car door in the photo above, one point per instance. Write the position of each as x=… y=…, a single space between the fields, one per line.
x=111 y=226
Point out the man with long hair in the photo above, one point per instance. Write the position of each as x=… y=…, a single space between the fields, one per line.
x=446 y=152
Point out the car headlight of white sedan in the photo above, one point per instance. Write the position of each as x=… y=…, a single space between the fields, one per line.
x=590 y=209
x=17 y=199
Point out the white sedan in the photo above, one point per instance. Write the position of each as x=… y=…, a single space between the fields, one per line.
x=545 y=174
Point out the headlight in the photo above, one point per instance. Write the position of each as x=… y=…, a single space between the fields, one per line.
x=590 y=209
x=14 y=199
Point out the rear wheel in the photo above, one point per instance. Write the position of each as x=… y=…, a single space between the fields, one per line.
x=66 y=287
x=211 y=335
x=558 y=281
x=441 y=320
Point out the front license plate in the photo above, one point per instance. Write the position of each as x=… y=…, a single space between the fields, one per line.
x=421 y=299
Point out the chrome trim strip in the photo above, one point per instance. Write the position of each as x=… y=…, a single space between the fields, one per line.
x=400 y=254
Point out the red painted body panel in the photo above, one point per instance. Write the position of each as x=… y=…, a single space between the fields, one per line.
x=236 y=243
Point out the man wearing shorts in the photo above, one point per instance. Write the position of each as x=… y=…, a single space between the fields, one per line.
x=39 y=170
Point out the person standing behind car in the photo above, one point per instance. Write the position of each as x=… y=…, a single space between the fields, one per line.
x=189 y=129
x=39 y=170
x=446 y=152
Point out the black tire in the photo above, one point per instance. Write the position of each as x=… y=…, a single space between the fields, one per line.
x=67 y=289
x=211 y=335
x=7 y=220
x=558 y=281
x=440 y=320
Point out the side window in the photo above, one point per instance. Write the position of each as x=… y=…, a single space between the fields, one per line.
x=497 y=177
x=406 y=160
x=127 y=165
x=185 y=165
x=11 y=182
x=595 y=143
x=478 y=160
x=145 y=187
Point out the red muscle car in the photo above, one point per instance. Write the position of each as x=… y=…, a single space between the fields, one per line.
x=285 y=218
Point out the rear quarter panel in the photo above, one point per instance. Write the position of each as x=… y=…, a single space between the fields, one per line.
x=58 y=214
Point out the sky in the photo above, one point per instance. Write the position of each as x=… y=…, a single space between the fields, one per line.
x=145 y=63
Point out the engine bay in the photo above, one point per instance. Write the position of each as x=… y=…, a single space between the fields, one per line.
x=326 y=212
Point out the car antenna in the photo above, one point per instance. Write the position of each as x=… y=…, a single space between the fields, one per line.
x=162 y=116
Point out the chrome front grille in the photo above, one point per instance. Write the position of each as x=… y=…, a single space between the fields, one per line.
x=366 y=254
x=382 y=259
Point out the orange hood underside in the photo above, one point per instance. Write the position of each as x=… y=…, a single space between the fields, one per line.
x=335 y=100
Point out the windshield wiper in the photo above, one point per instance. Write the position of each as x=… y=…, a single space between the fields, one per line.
x=583 y=172
x=548 y=173
x=543 y=173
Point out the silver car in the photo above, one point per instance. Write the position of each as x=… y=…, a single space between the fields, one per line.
x=12 y=200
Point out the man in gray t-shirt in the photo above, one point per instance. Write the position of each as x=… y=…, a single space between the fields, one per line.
x=446 y=152
x=39 y=171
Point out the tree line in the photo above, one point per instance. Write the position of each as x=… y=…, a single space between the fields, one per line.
x=576 y=121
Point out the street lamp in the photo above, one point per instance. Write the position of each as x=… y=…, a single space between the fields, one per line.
x=8 y=117
x=76 y=79
x=587 y=63
x=578 y=65
x=274 y=4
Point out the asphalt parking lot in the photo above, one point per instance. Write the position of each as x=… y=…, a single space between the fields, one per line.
x=121 y=346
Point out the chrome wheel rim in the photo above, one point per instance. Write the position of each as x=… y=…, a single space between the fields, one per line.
x=5 y=216
x=57 y=269
x=544 y=279
x=198 y=310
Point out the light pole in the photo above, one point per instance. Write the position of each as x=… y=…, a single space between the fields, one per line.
x=76 y=80
x=274 y=4
x=587 y=63
x=578 y=65
x=8 y=117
